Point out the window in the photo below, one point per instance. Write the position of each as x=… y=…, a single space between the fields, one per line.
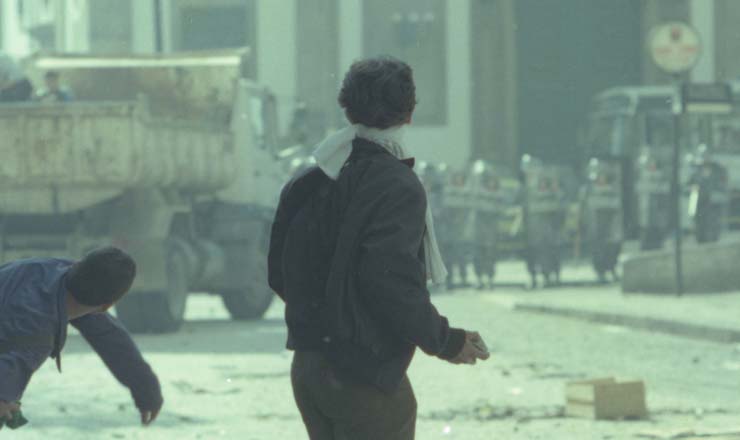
x=416 y=32
x=110 y=26
x=203 y=25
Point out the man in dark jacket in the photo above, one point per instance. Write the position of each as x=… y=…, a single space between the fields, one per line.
x=351 y=251
x=39 y=296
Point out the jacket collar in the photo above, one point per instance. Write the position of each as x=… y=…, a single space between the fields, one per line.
x=362 y=148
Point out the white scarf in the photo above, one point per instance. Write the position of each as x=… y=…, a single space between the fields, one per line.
x=332 y=153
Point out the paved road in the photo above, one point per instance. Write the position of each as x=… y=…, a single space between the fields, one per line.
x=230 y=380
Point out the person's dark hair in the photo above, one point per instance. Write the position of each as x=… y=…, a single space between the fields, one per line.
x=378 y=92
x=102 y=277
x=52 y=74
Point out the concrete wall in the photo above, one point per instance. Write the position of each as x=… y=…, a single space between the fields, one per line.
x=15 y=39
x=727 y=39
x=317 y=64
x=276 y=52
x=143 y=39
x=450 y=142
x=74 y=27
x=707 y=268
x=495 y=113
x=702 y=17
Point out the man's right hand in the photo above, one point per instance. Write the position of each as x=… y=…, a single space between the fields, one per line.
x=7 y=409
x=473 y=350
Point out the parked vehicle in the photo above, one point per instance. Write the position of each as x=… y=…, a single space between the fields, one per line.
x=169 y=157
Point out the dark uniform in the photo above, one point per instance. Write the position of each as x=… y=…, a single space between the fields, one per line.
x=654 y=199
x=601 y=213
x=486 y=210
x=709 y=201
x=544 y=219
x=458 y=235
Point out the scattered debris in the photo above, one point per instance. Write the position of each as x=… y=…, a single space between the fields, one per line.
x=697 y=412
x=691 y=434
x=545 y=371
x=560 y=375
x=189 y=419
x=260 y=376
x=187 y=387
x=487 y=412
x=276 y=416
x=606 y=399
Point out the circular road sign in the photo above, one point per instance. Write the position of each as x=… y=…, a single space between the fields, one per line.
x=675 y=47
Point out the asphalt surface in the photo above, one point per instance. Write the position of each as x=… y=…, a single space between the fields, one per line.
x=230 y=380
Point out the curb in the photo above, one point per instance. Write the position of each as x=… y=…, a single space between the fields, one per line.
x=685 y=329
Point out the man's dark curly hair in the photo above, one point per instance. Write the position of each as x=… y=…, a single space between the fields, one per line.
x=378 y=92
x=102 y=277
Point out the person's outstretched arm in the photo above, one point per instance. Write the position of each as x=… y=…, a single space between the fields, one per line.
x=392 y=273
x=118 y=351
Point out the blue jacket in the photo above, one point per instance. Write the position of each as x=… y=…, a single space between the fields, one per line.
x=33 y=327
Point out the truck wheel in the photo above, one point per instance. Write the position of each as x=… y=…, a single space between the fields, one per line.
x=253 y=299
x=158 y=312
x=246 y=304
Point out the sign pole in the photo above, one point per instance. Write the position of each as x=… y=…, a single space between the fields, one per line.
x=675 y=48
x=676 y=185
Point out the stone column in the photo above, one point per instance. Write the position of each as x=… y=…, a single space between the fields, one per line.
x=494 y=82
x=317 y=61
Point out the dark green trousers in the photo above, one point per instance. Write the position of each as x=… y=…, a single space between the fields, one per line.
x=336 y=410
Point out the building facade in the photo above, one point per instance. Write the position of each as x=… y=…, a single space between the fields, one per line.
x=496 y=78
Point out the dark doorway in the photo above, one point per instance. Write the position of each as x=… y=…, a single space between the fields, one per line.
x=569 y=50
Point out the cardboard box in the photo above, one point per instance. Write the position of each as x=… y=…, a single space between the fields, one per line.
x=606 y=399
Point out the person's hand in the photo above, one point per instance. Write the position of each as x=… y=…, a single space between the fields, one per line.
x=473 y=350
x=148 y=417
x=7 y=409
x=148 y=398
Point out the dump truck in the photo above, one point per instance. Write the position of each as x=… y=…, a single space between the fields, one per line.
x=171 y=158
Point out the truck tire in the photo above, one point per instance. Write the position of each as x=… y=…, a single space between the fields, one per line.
x=253 y=299
x=158 y=312
x=244 y=305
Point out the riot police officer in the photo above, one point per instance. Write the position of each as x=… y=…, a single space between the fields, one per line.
x=544 y=218
x=458 y=235
x=654 y=198
x=433 y=179
x=708 y=198
x=485 y=189
x=601 y=213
